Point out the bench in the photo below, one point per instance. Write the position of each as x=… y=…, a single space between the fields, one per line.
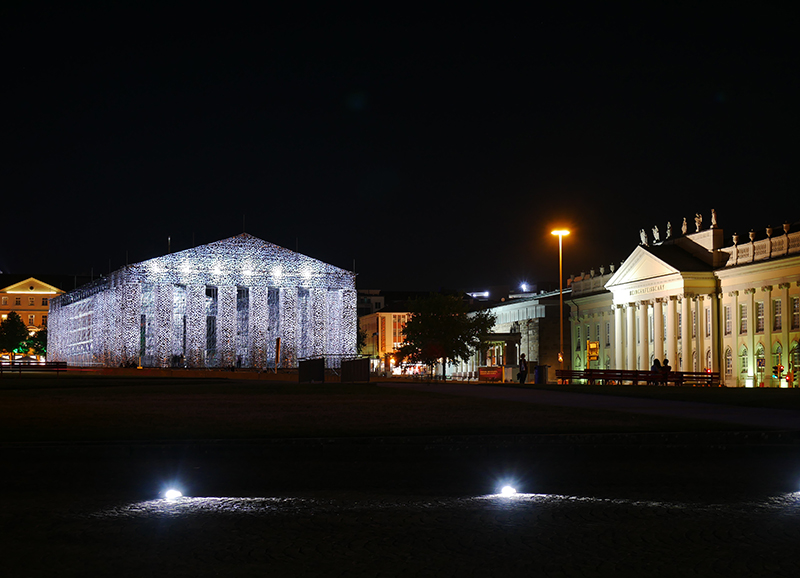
x=48 y=366
x=637 y=377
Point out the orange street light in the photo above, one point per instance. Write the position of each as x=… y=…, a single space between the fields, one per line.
x=561 y=233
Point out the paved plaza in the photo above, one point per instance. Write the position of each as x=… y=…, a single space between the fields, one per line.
x=723 y=504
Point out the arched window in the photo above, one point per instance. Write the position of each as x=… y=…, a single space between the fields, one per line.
x=728 y=361
x=777 y=354
x=760 y=355
x=694 y=361
x=709 y=365
x=743 y=357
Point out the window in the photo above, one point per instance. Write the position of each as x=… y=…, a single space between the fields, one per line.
x=597 y=334
x=795 y=312
x=17 y=301
x=31 y=301
x=578 y=338
x=694 y=324
x=45 y=302
x=608 y=333
x=777 y=315
x=708 y=322
x=742 y=319
x=728 y=362
x=728 y=320
x=743 y=359
x=680 y=324
x=31 y=320
x=5 y=300
x=759 y=317
x=44 y=320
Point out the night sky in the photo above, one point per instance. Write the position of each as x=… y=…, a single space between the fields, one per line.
x=434 y=150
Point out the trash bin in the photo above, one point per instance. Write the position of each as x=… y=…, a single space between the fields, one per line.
x=540 y=375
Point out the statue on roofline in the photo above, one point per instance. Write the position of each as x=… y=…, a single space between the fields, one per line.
x=713 y=219
x=656 y=234
x=669 y=230
x=698 y=222
x=643 y=236
x=684 y=226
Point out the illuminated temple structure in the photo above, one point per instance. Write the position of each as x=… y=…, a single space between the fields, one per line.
x=238 y=302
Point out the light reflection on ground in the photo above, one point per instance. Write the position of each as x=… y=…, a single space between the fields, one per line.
x=262 y=506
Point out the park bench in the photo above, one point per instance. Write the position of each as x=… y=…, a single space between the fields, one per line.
x=19 y=367
x=637 y=377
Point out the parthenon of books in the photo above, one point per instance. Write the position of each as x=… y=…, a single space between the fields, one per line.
x=236 y=302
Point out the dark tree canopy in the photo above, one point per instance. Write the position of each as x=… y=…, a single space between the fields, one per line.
x=441 y=328
x=13 y=332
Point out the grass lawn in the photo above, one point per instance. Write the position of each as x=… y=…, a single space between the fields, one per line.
x=97 y=408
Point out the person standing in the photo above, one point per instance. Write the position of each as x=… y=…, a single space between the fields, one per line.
x=523 y=369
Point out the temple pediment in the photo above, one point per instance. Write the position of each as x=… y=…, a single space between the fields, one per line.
x=640 y=266
x=32 y=286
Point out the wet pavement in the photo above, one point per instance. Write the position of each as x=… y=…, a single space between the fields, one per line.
x=638 y=505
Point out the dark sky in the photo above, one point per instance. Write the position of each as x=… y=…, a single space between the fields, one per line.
x=437 y=150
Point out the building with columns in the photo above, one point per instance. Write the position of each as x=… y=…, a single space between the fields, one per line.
x=236 y=302
x=698 y=302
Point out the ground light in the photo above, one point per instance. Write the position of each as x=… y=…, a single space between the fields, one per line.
x=173 y=494
x=508 y=491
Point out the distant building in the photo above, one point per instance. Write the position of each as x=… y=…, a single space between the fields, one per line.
x=29 y=297
x=224 y=304
x=699 y=302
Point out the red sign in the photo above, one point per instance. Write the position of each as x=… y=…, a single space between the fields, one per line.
x=490 y=373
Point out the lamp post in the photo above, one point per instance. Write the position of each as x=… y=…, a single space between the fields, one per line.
x=560 y=233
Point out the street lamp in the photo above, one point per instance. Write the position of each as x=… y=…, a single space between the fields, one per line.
x=560 y=233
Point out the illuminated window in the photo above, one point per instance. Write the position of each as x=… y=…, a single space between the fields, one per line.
x=777 y=315
x=694 y=324
x=708 y=322
x=44 y=301
x=742 y=319
x=759 y=317
x=680 y=325
x=31 y=301
x=608 y=333
x=5 y=300
x=577 y=338
x=17 y=301
x=743 y=360
x=795 y=312
x=728 y=362
x=728 y=320
x=31 y=320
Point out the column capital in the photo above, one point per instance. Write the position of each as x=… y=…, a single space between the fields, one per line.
x=660 y=300
x=784 y=285
x=750 y=291
x=644 y=302
x=766 y=288
x=673 y=297
x=733 y=294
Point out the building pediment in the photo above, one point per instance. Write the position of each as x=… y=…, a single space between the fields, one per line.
x=32 y=286
x=641 y=266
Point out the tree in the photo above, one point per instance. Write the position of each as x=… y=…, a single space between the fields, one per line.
x=440 y=327
x=13 y=333
x=37 y=343
x=361 y=338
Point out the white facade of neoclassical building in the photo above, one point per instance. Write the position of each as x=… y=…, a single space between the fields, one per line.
x=224 y=304
x=698 y=304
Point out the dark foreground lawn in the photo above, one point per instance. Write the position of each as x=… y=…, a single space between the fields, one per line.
x=95 y=408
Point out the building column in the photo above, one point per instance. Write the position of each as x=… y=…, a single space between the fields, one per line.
x=786 y=319
x=644 y=336
x=750 y=300
x=630 y=350
x=672 y=331
x=737 y=368
x=716 y=338
x=619 y=338
x=700 y=332
x=769 y=359
x=658 y=328
x=686 y=332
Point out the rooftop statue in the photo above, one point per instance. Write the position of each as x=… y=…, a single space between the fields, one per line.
x=713 y=219
x=669 y=230
x=656 y=234
x=698 y=221
x=684 y=227
x=643 y=236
